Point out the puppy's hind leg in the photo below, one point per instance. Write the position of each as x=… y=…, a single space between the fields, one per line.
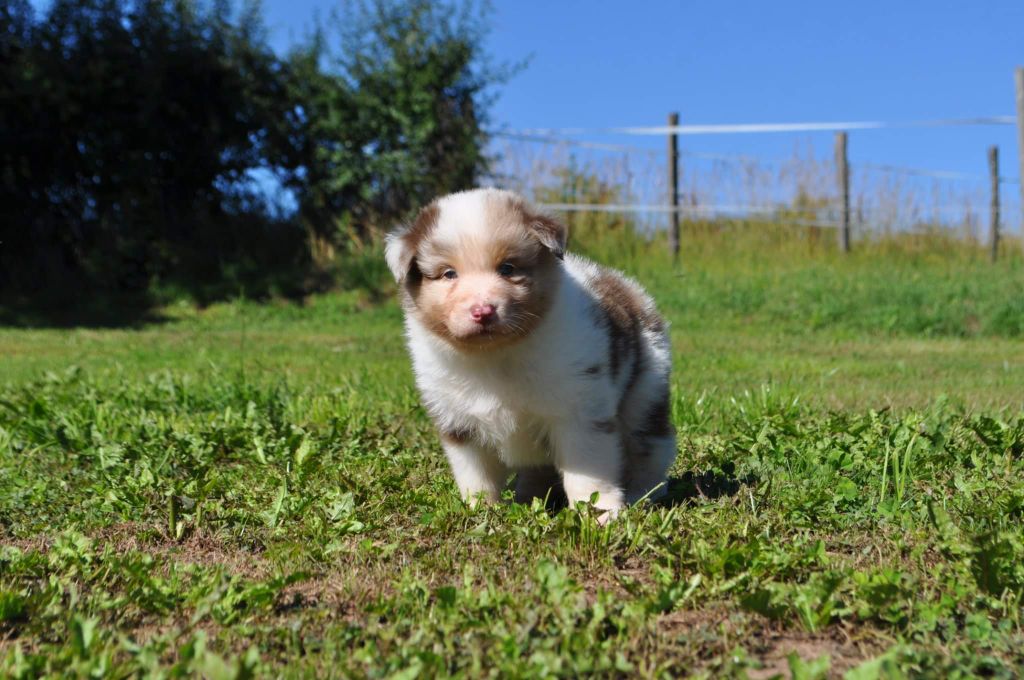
x=649 y=459
x=650 y=447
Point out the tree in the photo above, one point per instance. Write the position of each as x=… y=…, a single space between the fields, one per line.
x=397 y=117
x=132 y=128
x=132 y=132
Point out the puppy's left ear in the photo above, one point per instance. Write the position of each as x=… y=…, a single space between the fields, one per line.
x=551 y=233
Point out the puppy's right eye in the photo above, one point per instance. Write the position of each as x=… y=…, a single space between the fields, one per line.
x=449 y=274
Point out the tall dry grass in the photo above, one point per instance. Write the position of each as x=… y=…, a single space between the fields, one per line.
x=755 y=205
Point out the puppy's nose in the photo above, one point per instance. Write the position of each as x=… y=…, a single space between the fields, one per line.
x=482 y=313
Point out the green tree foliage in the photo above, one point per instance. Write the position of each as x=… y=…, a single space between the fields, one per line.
x=395 y=117
x=137 y=139
x=132 y=127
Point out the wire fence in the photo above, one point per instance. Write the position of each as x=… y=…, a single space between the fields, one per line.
x=758 y=128
x=571 y=170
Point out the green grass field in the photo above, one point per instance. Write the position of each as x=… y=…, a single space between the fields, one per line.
x=253 y=490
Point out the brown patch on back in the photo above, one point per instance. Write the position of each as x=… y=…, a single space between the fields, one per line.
x=652 y=321
x=627 y=312
x=621 y=309
x=620 y=298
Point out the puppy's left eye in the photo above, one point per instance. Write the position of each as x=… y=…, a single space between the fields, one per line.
x=506 y=269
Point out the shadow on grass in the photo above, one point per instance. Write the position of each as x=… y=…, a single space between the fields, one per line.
x=691 y=486
x=100 y=311
x=84 y=306
x=686 y=488
x=80 y=303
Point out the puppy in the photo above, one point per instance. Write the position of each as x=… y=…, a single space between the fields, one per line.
x=530 y=359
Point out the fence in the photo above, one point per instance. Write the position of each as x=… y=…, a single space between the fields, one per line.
x=831 y=194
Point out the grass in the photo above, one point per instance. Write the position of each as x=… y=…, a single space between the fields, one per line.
x=254 y=490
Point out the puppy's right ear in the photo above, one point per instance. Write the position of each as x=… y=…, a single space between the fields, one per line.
x=401 y=244
x=398 y=253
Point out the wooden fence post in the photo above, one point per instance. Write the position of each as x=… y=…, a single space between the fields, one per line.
x=843 y=178
x=673 y=185
x=1019 y=78
x=993 y=208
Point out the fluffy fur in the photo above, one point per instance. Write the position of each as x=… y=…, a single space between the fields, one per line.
x=531 y=360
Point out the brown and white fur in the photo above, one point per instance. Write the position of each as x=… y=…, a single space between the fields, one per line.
x=530 y=359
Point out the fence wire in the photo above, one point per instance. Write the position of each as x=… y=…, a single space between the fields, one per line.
x=568 y=174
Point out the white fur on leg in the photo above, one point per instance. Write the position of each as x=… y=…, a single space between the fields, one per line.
x=478 y=472
x=590 y=460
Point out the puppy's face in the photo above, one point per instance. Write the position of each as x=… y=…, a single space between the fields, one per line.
x=478 y=268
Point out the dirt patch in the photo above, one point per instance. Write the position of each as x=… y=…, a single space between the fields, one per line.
x=198 y=547
x=38 y=543
x=772 y=648
x=345 y=596
x=770 y=643
x=685 y=620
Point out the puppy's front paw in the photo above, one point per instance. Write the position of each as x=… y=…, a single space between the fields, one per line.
x=608 y=516
x=479 y=498
x=606 y=496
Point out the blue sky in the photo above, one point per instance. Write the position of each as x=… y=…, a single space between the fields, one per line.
x=598 y=64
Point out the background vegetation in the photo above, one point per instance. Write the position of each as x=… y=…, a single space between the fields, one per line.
x=140 y=138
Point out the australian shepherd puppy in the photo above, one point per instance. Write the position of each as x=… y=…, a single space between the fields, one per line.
x=530 y=359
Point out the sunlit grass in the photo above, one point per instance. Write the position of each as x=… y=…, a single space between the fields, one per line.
x=254 y=489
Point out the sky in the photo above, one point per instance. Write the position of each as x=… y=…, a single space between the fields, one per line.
x=598 y=64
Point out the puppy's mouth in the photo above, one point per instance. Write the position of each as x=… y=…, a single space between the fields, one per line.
x=499 y=330
x=482 y=331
